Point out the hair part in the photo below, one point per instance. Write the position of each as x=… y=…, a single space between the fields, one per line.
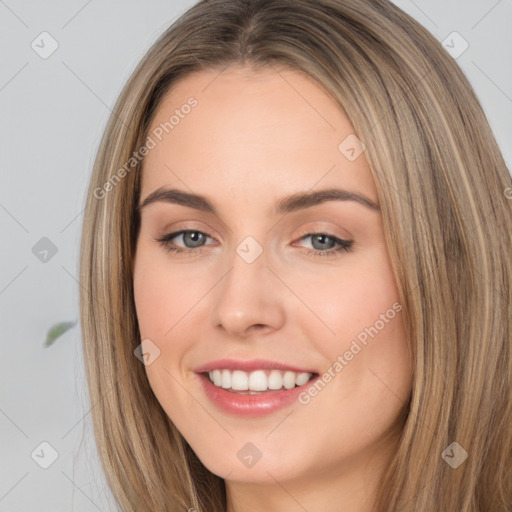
x=441 y=180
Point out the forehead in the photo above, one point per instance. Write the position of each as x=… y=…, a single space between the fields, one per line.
x=251 y=130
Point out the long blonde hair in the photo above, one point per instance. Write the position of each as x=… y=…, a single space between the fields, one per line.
x=443 y=188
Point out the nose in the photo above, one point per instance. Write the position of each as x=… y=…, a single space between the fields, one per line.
x=248 y=299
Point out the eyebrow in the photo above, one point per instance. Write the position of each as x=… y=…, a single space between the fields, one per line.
x=289 y=204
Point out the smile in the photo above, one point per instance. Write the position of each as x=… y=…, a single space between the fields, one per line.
x=253 y=388
x=258 y=380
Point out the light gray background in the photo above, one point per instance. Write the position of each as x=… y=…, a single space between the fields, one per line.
x=53 y=113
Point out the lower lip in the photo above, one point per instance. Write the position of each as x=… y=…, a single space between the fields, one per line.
x=253 y=406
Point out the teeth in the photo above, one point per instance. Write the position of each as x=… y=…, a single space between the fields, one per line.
x=258 y=380
x=216 y=377
x=302 y=378
x=226 y=379
x=239 y=381
x=289 y=380
x=275 y=380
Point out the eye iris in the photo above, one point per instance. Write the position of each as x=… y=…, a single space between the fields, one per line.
x=322 y=239
x=195 y=236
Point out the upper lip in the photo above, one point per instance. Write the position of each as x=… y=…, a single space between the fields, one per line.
x=249 y=365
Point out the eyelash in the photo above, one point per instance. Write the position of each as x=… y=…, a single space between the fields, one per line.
x=343 y=245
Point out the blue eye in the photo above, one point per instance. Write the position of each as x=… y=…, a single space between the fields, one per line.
x=323 y=243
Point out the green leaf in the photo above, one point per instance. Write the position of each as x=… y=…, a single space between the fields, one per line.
x=57 y=331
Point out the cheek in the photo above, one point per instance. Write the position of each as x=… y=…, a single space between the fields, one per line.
x=161 y=297
x=349 y=298
x=360 y=306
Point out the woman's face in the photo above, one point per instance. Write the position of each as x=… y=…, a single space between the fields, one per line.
x=254 y=294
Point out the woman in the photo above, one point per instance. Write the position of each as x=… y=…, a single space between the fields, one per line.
x=295 y=269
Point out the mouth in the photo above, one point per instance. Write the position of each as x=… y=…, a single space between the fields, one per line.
x=253 y=388
x=257 y=381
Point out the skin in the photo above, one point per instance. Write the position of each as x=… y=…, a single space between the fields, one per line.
x=253 y=138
